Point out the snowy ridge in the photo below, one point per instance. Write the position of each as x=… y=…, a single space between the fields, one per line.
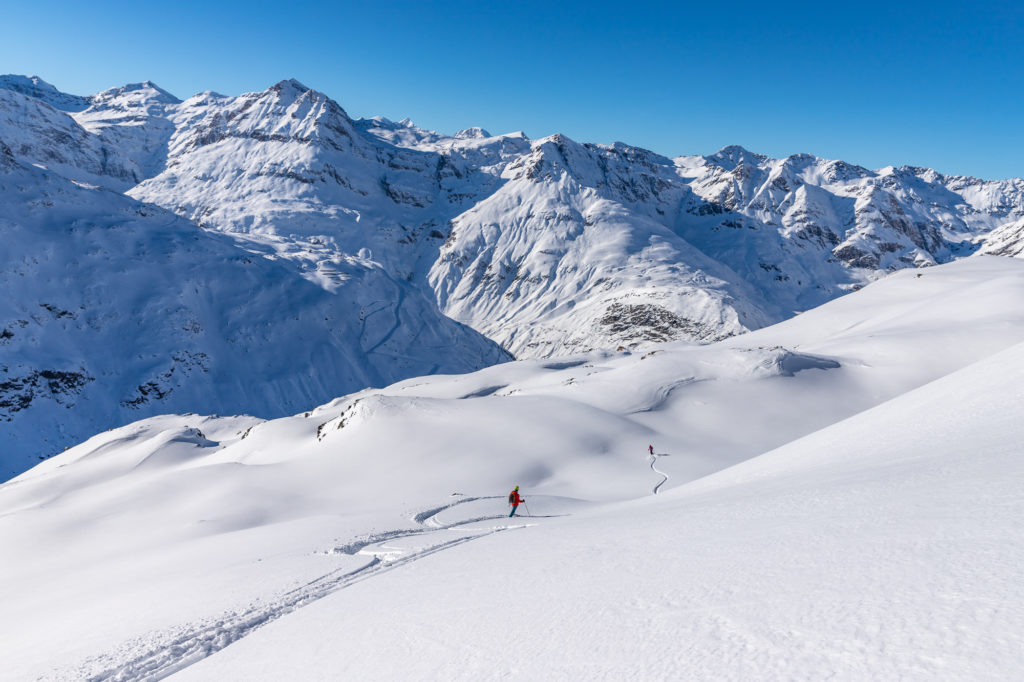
x=37 y=88
x=821 y=227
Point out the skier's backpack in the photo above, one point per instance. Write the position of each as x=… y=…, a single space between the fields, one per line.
x=512 y=497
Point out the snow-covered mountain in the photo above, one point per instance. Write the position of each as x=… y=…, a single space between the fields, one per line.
x=547 y=247
x=551 y=246
x=813 y=228
x=290 y=165
x=837 y=496
x=114 y=309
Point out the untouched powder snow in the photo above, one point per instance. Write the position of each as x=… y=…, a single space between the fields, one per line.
x=369 y=538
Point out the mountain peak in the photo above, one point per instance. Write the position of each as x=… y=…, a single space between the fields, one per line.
x=35 y=82
x=289 y=85
x=146 y=90
x=734 y=155
x=735 y=150
x=36 y=87
x=475 y=132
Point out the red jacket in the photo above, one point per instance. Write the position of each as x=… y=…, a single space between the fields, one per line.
x=516 y=500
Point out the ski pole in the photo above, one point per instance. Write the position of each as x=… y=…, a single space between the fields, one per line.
x=527 y=508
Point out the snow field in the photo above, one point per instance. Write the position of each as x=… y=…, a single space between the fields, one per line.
x=869 y=549
x=370 y=535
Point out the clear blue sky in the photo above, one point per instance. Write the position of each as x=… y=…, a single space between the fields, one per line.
x=937 y=84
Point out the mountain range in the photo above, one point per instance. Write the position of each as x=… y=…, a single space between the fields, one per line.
x=266 y=252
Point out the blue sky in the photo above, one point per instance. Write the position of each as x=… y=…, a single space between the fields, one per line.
x=937 y=84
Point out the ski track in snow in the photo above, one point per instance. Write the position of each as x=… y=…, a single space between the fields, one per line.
x=397 y=324
x=172 y=651
x=664 y=476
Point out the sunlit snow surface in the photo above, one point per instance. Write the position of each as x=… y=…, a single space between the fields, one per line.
x=878 y=538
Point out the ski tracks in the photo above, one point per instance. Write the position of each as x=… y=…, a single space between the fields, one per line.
x=664 y=476
x=172 y=651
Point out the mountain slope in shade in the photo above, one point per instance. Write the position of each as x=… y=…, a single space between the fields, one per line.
x=115 y=310
x=41 y=135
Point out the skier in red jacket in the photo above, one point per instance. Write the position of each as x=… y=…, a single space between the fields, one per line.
x=515 y=500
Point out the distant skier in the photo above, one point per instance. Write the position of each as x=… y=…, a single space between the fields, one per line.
x=515 y=500
x=650 y=449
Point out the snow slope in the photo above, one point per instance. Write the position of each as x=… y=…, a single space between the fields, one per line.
x=868 y=550
x=373 y=528
x=115 y=310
